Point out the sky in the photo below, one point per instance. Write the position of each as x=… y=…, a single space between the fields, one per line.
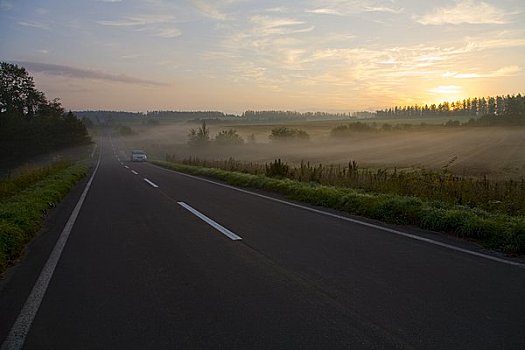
x=236 y=55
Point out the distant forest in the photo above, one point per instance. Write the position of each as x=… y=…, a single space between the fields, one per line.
x=510 y=105
x=291 y=115
x=106 y=117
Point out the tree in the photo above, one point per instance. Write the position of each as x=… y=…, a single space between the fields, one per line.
x=491 y=106
x=199 y=137
x=286 y=134
x=17 y=91
x=228 y=137
x=29 y=123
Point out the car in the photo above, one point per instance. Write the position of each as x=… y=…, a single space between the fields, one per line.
x=138 y=156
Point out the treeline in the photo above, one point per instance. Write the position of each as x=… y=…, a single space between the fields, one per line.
x=189 y=115
x=486 y=120
x=151 y=117
x=291 y=115
x=111 y=117
x=509 y=105
x=29 y=123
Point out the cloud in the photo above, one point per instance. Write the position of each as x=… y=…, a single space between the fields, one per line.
x=347 y=8
x=266 y=25
x=209 y=10
x=33 y=24
x=168 y=33
x=158 y=25
x=465 y=12
x=506 y=71
x=382 y=9
x=5 y=5
x=79 y=73
x=142 y=20
x=446 y=89
x=500 y=41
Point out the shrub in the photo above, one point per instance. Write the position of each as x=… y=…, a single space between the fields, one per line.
x=228 y=137
x=277 y=169
x=199 y=137
x=287 y=134
x=347 y=130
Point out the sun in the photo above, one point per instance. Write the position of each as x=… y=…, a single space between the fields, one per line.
x=448 y=93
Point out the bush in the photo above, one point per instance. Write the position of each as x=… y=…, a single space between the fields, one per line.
x=228 y=137
x=277 y=169
x=347 y=130
x=287 y=134
x=199 y=137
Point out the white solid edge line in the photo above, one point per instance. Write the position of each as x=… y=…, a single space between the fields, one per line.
x=404 y=234
x=151 y=183
x=210 y=222
x=134 y=172
x=20 y=329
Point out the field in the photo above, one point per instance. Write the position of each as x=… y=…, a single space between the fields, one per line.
x=496 y=152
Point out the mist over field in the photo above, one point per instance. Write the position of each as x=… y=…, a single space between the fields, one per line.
x=493 y=151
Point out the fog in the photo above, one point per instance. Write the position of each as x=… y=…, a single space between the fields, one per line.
x=496 y=152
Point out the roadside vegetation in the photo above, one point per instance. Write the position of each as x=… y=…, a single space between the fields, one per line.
x=30 y=124
x=495 y=196
x=495 y=226
x=25 y=200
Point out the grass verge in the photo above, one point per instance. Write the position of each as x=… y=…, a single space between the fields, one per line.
x=495 y=231
x=22 y=213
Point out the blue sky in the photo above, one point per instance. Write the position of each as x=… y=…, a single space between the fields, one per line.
x=233 y=55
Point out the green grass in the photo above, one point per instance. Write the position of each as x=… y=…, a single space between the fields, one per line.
x=493 y=230
x=22 y=212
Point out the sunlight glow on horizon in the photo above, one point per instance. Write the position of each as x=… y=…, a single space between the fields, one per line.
x=233 y=55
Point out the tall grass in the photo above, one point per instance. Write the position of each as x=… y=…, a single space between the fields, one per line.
x=24 y=205
x=27 y=176
x=497 y=196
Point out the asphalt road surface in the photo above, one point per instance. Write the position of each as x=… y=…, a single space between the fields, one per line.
x=161 y=260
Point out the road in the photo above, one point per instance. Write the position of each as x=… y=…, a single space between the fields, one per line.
x=144 y=268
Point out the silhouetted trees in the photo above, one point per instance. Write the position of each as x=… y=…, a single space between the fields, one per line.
x=288 y=134
x=228 y=137
x=291 y=115
x=152 y=118
x=199 y=137
x=500 y=106
x=29 y=123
